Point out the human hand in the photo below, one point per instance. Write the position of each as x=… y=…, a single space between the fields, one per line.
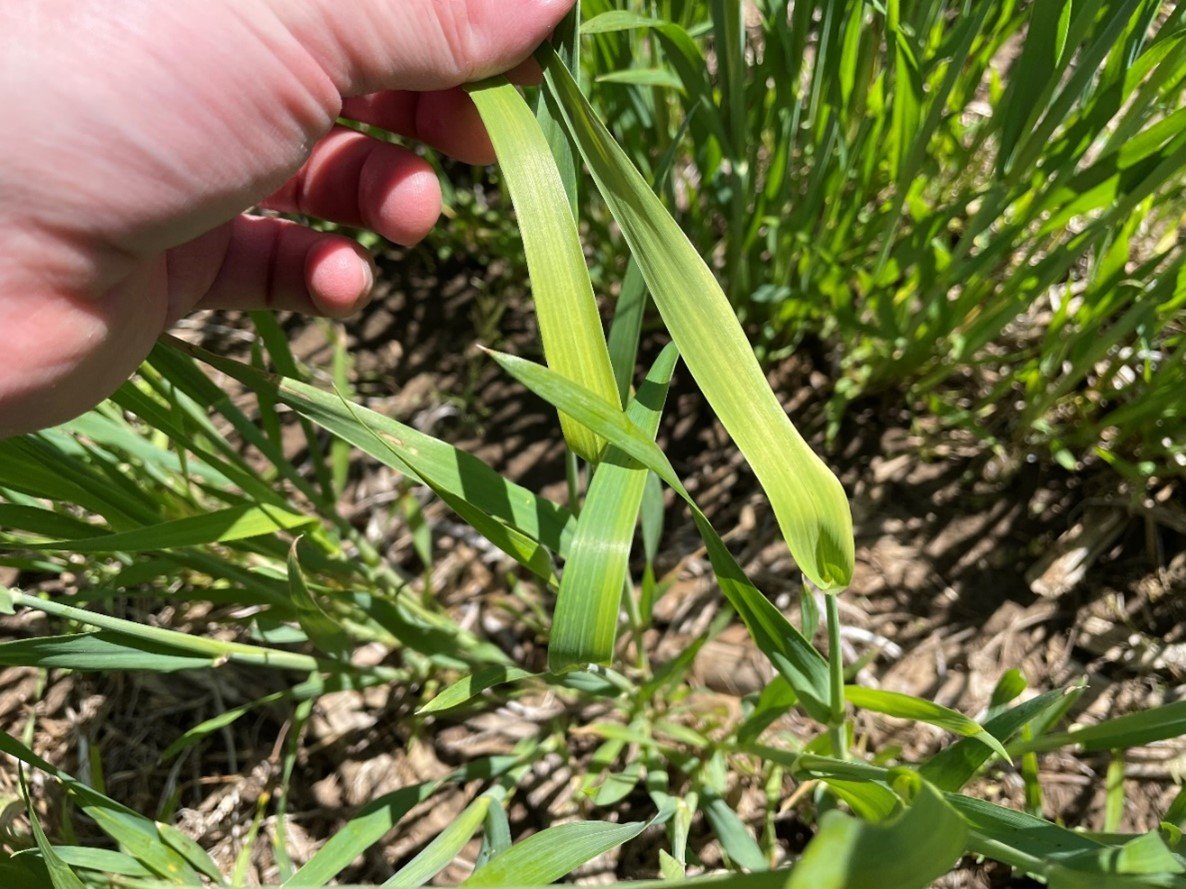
x=136 y=132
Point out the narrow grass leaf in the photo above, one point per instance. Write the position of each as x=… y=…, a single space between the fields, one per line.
x=444 y=848
x=791 y=654
x=93 y=652
x=60 y=874
x=1121 y=733
x=903 y=706
x=45 y=522
x=552 y=853
x=208 y=726
x=651 y=520
x=321 y=629
x=618 y=785
x=469 y=687
x=652 y=77
x=528 y=552
x=360 y=833
x=1145 y=855
x=585 y=622
x=1011 y=684
x=907 y=852
x=104 y=861
x=136 y=835
x=617 y=20
x=569 y=323
x=142 y=839
x=625 y=329
x=189 y=849
x=566 y=40
x=1033 y=77
x=868 y=800
x=463 y=476
x=952 y=767
x=496 y=835
x=36 y=465
x=776 y=699
x=1035 y=838
x=129 y=440
x=670 y=869
x=739 y=844
x=312 y=688
x=906 y=114
x=181 y=642
x=685 y=58
x=221 y=526
x=828 y=767
x=807 y=499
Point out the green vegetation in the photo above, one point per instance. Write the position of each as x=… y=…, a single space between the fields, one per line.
x=978 y=202
x=973 y=203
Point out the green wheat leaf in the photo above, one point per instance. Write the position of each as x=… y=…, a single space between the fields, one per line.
x=808 y=500
x=570 y=326
x=791 y=654
x=220 y=526
x=585 y=622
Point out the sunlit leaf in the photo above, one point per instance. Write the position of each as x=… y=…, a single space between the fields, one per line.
x=808 y=501
x=570 y=326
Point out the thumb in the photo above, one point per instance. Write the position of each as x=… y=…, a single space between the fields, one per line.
x=371 y=45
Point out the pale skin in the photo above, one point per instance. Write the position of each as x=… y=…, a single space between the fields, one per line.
x=134 y=135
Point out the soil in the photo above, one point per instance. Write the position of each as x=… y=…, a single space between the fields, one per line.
x=941 y=605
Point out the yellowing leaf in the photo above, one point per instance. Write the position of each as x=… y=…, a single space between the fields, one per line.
x=807 y=499
x=569 y=324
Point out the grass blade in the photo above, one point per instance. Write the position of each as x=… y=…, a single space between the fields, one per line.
x=625 y=329
x=807 y=499
x=445 y=847
x=104 y=861
x=1034 y=75
x=200 y=646
x=547 y=856
x=136 y=835
x=1121 y=733
x=464 y=477
x=222 y=526
x=566 y=39
x=791 y=654
x=736 y=840
x=902 y=706
x=60 y=874
x=585 y=623
x=569 y=323
x=906 y=852
x=469 y=687
x=322 y=630
x=952 y=767
x=363 y=831
x=1037 y=837
x=97 y=652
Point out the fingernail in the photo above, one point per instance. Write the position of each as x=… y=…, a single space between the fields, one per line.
x=370 y=276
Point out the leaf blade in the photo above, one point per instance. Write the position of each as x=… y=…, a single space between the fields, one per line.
x=585 y=621
x=547 y=856
x=569 y=323
x=808 y=501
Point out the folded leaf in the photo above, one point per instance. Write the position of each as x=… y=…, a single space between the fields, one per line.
x=807 y=499
x=585 y=622
x=792 y=654
x=907 y=852
x=569 y=323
